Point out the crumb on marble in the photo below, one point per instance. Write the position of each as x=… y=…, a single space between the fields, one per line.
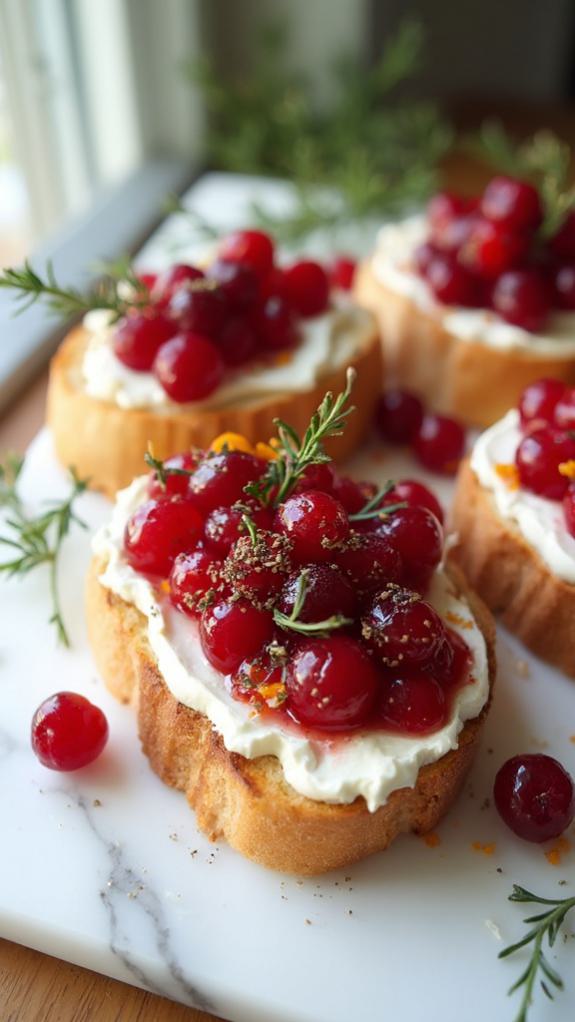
x=432 y=840
x=554 y=855
x=96 y=803
x=487 y=848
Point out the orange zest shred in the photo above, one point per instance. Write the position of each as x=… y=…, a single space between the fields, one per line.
x=165 y=585
x=487 y=849
x=509 y=474
x=272 y=691
x=265 y=451
x=456 y=619
x=231 y=442
x=432 y=840
x=567 y=468
x=555 y=854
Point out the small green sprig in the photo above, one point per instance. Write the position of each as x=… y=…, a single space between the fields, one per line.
x=546 y=926
x=37 y=540
x=116 y=295
x=163 y=470
x=295 y=454
x=372 y=508
x=291 y=622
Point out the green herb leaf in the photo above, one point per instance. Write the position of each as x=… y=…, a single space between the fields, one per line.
x=372 y=508
x=292 y=623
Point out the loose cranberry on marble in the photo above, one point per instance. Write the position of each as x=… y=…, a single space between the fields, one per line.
x=402 y=629
x=370 y=561
x=68 y=731
x=564 y=287
x=569 y=509
x=138 y=337
x=342 y=272
x=189 y=367
x=451 y=283
x=327 y=593
x=172 y=279
x=315 y=522
x=512 y=203
x=307 y=287
x=276 y=324
x=193 y=574
x=523 y=298
x=332 y=684
x=201 y=311
x=158 y=531
x=225 y=525
x=176 y=485
x=491 y=249
x=413 y=703
x=439 y=444
x=238 y=283
x=415 y=494
x=418 y=538
x=535 y=797
x=220 y=479
x=398 y=415
x=565 y=409
x=233 y=630
x=562 y=244
x=253 y=248
x=237 y=340
x=538 y=457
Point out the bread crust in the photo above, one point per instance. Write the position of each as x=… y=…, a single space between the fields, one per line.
x=248 y=802
x=471 y=381
x=510 y=576
x=107 y=443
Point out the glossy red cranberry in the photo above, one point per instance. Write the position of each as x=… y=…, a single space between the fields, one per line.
x=370 y=561
x=491 y=249
x=201 y=311
x=68 y=731
x=411 y=492
x=224 y=525
x=272 y=285
x=237 y=341
x=565 y=410
x=512 y=203
x=418 y=537
x=175 y=485
x=522 y=297
x=233 y=630
x=332 y=684
x=538 y=457
x=564 y=287
x=451 y=283
x=147 y=279
x=276 y=324
x=317 y=477
x=539 y=400
x=238 y=283
x=315 y=522
x=562 y=244
x=535 y=797
x=193 y=574
x=439 y=444
x=219 y=479
x=172 y=279
x=252 y=248
x=307 y=287
x=138 y=337
x=342 y=272
x=257 y=568
x=443 y=209
x=351 y=494
x=158 y=531
x=189 y=367
x=569 y=509
x=413 y=703
x=398 y=415
x=327 y=593
x=403 y=629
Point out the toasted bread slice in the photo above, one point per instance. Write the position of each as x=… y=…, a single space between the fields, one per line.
x=107 y=443
x=471 y=381
x=248 y=802
x=511 y=577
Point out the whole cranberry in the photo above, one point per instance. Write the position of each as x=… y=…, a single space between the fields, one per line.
x=332 y=684
x=564 y=286
x=418 y=537
x=565 y=409
x=237 y=340
x=189 y=367
x=251 y=248
x=276 y=324
x=452 y=283
x=172 y=279
x=201 y=311
x=513 y=203
x=315 y=522
x=539 y=401
x=307 y=287
x=232 y=631
x=238 y=283
x=562 y=244
x=158 y=531
x=327 y=593
x=68 y=731
x=522 y=297
x=193 y=574
x=538 y=457
x=445 y=207
x=138 y=337
x=176 y=484
x=398 y=415
x=439 y=444
x=403 y=629
x=258 y=567
x=413 y=703
x=370 y=561
x=535 y=797
x=351 y=494
x=342 y=272
x=225 y=525
x=317 y=477
x=491 y=249
x=220 y=479
x=414 y=493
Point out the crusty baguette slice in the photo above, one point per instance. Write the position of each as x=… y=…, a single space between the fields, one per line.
x=248 y=802
x=107 y=443
x=471 y=381
x=510 y=576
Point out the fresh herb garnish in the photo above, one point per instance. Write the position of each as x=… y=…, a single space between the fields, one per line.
x=116 y=295
x=292 y=623
x=37 y=540
x=372 y=508
x=249 y=525
x=546 y=927
x=163 y=470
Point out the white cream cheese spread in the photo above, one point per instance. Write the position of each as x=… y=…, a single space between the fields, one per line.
x=328 y=342
x=540 y=521
x=393 y=266
x=371 y=764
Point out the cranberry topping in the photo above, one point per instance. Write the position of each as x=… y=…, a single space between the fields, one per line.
x=201 y=311
x=370 y=561
x=276 y=324
x=413 y=703
x=562 y=244
x=491 y=249
x=403 y=629
x=451 y=282
x=439 y=443
x=522 y=297
x=257 y=568
x=253 y=248
x=512 y=203
x=342 y=272
x=237 y=340
x=225 y=525
x=445 y=207
x=399 y=415
x=68 y=731
x=259 y=681
x=315 y=522
x=238 y=283
x=535 y=797
x=564 y=287
x=138 y=337
x=158 y=531
x=317 y=477
x=220 y=479
x=539 y=401
x=351 y=494
x=538 y=458
x=418 y=537
x=233 y=630
x=176 y=485
x=306 y=287
x=327 y=593
x=193 y=574
x=569 y=509
x=189 y=367
x=565 y=409
x=332 y=684
x=415 y=494
x=172 y=279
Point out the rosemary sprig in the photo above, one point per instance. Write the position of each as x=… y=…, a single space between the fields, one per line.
x=163 y=470
x=292 y=623
x=372 y=508
x=546 y=926
x=37 y=540
x=296 y=454
x=119 y=296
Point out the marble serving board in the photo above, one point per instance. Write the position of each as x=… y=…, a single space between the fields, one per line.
x=105 y=867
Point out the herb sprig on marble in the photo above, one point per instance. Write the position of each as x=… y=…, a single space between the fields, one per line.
x=117 y=294
x=35 y=540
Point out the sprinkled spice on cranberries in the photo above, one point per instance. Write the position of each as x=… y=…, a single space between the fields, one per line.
x=158 y=531
x=306 y=287
x=224 y=525
x=220 y=479
x=68 y=731
x=258 y=568
x=538 y=458
x=418 y=537
x=535 y=797
x=398 y=416
x=370 y=561
x=439 y=444
x=139 y=336
x=189 y=367
x=232 y=631
x=193 y=574
x=253 y=248
x=403 y=629
x=176 y=485
x=327 y=593
x=413 y=703
x=414 y=493
x=332 y=683
x=315 y=522
x=539 y=401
